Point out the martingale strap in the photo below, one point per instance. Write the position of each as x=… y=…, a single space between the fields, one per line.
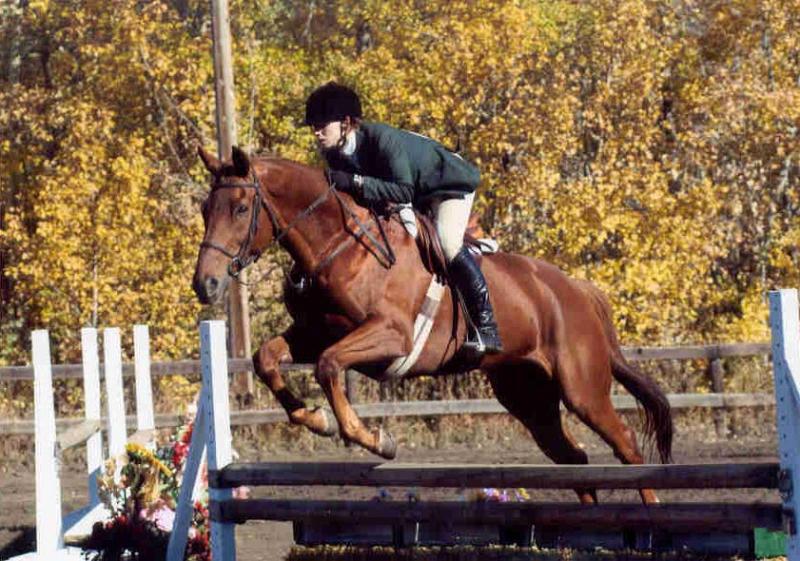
x=386 y=251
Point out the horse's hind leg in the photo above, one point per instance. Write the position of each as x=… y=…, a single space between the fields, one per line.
x=267 y=361
x=534 y=399
x=587 y=394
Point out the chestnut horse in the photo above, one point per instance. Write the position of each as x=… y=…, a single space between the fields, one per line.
x=558 y=338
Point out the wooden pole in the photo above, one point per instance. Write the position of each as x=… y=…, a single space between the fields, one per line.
x=476 y=476
x=717 y=372
x=676 y=517
x=238 y=302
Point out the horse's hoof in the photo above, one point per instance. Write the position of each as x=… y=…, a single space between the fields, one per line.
x=329 y=424
x=387 y=446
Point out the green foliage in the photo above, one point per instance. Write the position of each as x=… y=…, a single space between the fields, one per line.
x=651 y=147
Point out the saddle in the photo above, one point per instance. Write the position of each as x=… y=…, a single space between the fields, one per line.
x=421 y=227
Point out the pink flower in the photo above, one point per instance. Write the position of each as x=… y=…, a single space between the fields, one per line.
x=242 y=492
x=161 y=515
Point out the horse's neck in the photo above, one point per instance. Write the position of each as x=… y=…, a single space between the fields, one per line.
x=310 y=236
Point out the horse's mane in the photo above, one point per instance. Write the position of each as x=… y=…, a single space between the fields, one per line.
x=228 y=166
x=271 y=158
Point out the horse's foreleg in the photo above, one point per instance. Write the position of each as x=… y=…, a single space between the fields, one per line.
x=373 y=341
x=267 y=361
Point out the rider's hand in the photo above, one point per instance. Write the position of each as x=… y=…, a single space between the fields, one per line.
x=343 y=181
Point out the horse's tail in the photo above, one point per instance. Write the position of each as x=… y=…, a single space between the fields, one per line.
x=658 y=414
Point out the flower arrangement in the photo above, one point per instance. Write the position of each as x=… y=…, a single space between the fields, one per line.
x=487 y=494
x=502 y=495
x=140 y=489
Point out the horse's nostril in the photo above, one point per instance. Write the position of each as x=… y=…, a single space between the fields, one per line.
x=211 y=285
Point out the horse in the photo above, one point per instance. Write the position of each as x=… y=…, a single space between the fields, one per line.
x=369 y=280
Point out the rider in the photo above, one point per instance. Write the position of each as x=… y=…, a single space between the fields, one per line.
x=377 y=164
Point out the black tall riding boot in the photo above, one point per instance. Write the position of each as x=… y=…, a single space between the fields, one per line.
x=469 y=280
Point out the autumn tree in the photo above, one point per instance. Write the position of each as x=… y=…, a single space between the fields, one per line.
x=651 y=147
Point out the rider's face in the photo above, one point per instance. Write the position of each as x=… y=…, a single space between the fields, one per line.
x=328 y=135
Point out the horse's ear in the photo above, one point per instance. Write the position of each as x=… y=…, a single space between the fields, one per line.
x=241 y=163
x=211 y=162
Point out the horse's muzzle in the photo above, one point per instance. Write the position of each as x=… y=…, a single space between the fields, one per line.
x=209 y=289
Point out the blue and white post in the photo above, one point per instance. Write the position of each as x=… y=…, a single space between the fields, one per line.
x=785 y=324
x=214 y=358
x=211 y=436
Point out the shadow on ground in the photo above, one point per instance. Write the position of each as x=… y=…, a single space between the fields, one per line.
x=19 y=540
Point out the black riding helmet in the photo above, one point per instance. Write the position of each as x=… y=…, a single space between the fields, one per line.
x=332 y=102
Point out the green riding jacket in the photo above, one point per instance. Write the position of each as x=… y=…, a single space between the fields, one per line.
x=403 y=167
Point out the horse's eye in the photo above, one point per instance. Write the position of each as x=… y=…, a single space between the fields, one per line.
x=241 y=209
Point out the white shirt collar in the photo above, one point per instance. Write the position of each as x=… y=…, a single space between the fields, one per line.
x=349 y=147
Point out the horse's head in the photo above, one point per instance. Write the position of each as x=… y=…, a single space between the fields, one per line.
x=231 y=214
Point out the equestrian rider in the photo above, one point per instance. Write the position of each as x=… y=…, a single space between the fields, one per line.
x=379 y=164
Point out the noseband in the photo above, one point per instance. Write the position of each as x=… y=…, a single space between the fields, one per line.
x=246 y=256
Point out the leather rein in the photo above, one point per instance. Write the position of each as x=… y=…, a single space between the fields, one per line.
x=247 y=256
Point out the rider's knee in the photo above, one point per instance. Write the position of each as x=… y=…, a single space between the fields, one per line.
x=451 y=247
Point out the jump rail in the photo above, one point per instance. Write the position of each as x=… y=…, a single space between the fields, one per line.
x=212 y=428
x=394 y=474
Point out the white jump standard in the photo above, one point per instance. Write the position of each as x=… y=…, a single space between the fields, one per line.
x=53 y=530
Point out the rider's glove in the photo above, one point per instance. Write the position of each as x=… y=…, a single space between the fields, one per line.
x=344 y=181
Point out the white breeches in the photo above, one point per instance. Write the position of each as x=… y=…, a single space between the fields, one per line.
x=451 y=217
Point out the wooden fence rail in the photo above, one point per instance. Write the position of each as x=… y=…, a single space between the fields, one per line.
x=717 y=400
x=192 y=367
x=415 y=409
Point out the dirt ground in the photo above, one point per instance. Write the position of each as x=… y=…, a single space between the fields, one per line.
x=272 y=541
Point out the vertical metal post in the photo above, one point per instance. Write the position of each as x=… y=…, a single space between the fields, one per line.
x=238 y=302
x=785 y=324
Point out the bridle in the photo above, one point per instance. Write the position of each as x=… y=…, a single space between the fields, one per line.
x=247 y=256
